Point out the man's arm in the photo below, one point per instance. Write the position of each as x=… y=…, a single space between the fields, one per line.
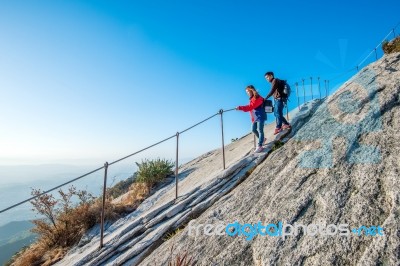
x=274 y=87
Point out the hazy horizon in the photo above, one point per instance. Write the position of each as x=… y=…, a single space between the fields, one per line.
x=17 y=181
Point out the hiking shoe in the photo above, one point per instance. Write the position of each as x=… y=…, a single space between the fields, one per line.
x=277 y=130
x=259 y=149
x=288 y=126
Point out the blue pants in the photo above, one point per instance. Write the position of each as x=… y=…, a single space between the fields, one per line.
x=278 y=110
x=258 y=130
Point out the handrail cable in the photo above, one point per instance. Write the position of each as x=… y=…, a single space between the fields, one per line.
x=100 y=168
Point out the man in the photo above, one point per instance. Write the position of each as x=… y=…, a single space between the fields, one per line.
x=280 y=97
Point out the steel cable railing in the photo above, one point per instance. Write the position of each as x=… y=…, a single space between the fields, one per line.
x=357 y=68
x=50 y=190
x=148 y=147
x=106 y=166
x=380 y=44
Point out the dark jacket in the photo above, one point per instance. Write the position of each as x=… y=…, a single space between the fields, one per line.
x=256 y=109
x=276 y=89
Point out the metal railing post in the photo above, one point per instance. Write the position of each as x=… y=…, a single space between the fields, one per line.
x=312 y=94
x=297 y=93
x=319 y=88
x=103 y=204
x=222 y=135
x=287 y=112
x=304 y=91
x=328 y=85
x=176 y=165
x=326 y=90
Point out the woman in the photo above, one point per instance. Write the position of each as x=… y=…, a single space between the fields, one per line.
x=257 y=114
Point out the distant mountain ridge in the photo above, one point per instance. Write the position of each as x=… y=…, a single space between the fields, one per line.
x=14 y=225
x=9 y=230
x=14 y=236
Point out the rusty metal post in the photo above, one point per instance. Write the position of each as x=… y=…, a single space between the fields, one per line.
x=319 y=89
x=103 y=205
x=176 y=165
x=298 y=96
x=312 y=94
x=222 y=134
x=328 y=85
x=287 y=112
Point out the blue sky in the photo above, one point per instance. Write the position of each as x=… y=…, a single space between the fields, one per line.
x=90 y=81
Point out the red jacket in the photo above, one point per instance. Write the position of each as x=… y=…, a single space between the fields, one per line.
x=255 y=107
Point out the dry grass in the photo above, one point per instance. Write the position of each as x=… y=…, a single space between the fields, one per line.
x=170 y=235
x=54 y=255
x=55 y=240
x=65 y=223
x=39 y=254
x=137 y=193
x=391 y=47
x=182 y=259
x=69 y=226
x=30 y=256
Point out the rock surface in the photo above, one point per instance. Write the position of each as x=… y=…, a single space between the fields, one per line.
x=341 y=166
x=201 y=183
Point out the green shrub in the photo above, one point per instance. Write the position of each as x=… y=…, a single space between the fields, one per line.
x=392 y=46
x=152 y=171
x=173 y=233
x=277 y=145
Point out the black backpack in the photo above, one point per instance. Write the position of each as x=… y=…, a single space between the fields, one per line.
x=284 y=89
x=268 y=106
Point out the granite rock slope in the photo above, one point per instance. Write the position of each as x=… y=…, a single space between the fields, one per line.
x=201 y=183
x=340 y=166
